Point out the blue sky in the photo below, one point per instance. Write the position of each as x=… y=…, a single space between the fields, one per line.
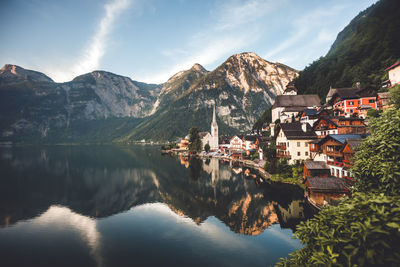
x=150 y=40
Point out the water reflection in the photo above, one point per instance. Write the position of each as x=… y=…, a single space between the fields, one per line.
x=101 y=181
x=115 y=198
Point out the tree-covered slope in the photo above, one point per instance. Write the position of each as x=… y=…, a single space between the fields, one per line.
x=361 y=52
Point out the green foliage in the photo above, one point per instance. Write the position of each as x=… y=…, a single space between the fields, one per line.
x=361 y=52
x=269 y=151
x=207 y=147
x=376 y=164
x=255 y=156
x=373 y=113
x=194 y=140
x=338 y=237
x=266 y=117
x=395 y=96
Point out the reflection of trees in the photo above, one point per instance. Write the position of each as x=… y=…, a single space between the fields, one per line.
x=195 y=168
x=101 y=181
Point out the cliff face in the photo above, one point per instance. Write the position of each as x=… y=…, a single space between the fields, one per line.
x=241 y=89
x=33 y=107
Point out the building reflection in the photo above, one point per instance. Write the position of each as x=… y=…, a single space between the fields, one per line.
x=102 y=181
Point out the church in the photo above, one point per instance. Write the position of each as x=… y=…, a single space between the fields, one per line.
x=211 y=139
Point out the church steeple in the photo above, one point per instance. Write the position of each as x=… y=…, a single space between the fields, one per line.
x=214 y=131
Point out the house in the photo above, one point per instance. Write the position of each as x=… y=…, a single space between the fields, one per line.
x=289 y=105
x=321 y=191
x=311 y=115
x=331 y=151
x=292 y=141
x=346 y=101
x=224 y=144
x=383 y=100
x=394 y=74
x=348 y=151
x=250 y=144
x=184 y=143
x=338 y=125
x=315 y=169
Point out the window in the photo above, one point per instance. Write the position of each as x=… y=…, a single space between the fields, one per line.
x=351 y=110
x=371 y=101
x=305 y=144
x=306 y=153
x=298 y=154
x=351 y=103
x=298 y=144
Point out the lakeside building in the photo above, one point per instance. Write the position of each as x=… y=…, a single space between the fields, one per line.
x=321 y=191
x=287 y=107
x=292 y=141
x=326 y=125
x=330 y=150
x=315 y=169
x=347 y=101
x=211 y=138
x=394 y=75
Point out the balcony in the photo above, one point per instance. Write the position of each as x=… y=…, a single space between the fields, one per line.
x=335 y=154
x=314 y=149
x=283 y=155
x=281 y=147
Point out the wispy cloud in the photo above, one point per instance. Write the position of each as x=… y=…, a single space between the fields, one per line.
x=93 y=53
x=232 y=30
x=305 y=31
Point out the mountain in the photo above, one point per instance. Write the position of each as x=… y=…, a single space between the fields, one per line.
x=98 y=106
x=241 y=88
x=15 y=74
x=361 y=52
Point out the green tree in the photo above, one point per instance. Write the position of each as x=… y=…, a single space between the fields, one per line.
x=364 y=230
x=194 y=140
x=207 y=147
x=376 y=164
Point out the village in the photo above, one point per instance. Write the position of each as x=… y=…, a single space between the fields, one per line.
x=321 y=139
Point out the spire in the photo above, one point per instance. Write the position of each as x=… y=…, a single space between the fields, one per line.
x=214 y=117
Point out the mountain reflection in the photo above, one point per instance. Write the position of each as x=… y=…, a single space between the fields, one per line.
x=99 y=181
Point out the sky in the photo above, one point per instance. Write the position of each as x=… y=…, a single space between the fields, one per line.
x=150 y=40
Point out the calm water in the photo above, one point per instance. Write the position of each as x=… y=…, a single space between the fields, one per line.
x=118 y=206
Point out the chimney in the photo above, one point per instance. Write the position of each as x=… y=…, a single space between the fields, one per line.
x=304 y=127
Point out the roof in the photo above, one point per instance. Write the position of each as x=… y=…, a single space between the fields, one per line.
x=384 y=95
x=294 y=131
x=354 y=143
x=311 y=112
x=293 y=109
x=394 y=65
x=316 y=165
x=342 y=137
x=203 y=134
x=296 y=101
x=252 y=138
x=327 y=185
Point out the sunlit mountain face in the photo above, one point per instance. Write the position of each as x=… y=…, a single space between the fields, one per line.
x=91 y=196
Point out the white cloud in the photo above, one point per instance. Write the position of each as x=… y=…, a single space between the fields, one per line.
x=232 y=30
x=92 y=55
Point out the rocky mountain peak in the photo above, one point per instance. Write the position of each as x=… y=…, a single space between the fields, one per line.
x=198 y=67
x=10 y=73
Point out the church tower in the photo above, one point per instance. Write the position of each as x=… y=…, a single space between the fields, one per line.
x=214 y=132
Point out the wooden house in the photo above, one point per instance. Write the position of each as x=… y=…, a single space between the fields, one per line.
x=321 y=191
x=350 y=146
x=315 y=169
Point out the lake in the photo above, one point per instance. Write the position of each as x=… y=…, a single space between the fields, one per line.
x=126 y=206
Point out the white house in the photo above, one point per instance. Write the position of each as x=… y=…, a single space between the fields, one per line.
x=287 y=105
x=292 y=141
